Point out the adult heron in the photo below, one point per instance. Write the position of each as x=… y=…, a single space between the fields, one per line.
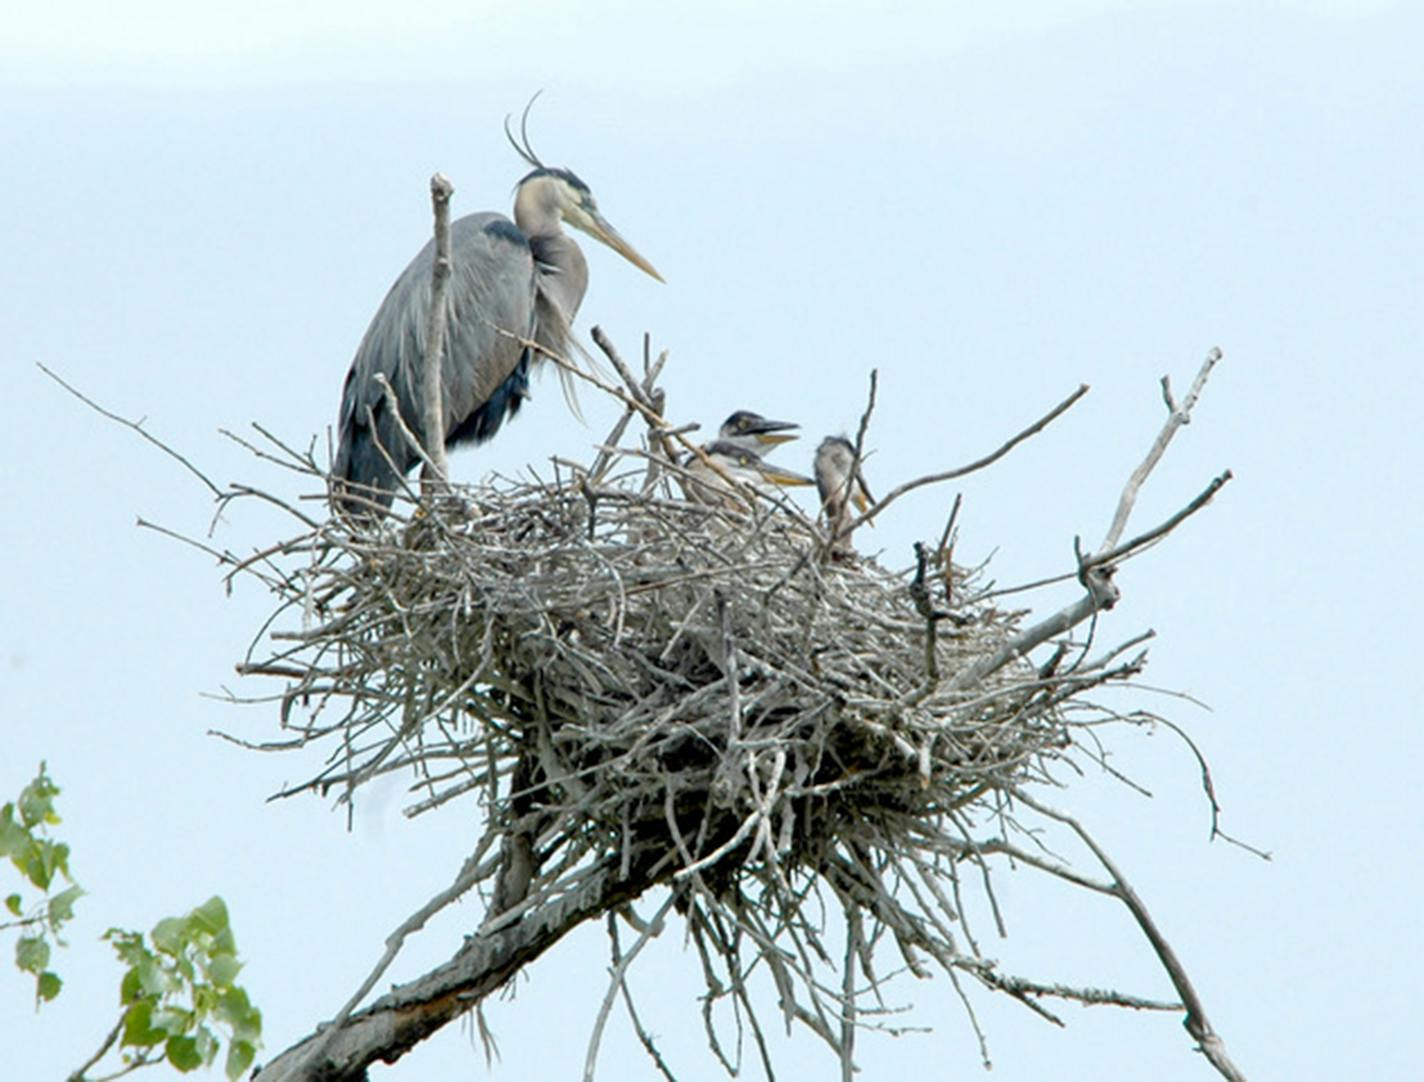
x=511 y=282
x=840 y=483
x=755 y=433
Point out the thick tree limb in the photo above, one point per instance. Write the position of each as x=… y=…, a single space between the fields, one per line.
x=409 y=1013
x=469 y=875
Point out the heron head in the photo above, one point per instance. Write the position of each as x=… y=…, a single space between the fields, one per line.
x=752 y=430
x=578 y=208
x=558 y=194
x=548 y=195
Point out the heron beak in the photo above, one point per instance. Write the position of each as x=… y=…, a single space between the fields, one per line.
x=858 y=497
x=598 y=228
x=772 y=433
x=786 y=478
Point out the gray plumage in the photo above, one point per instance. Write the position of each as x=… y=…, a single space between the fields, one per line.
x=840 y=483
x=525 y=277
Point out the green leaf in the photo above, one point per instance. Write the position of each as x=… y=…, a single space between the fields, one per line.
x=223 y=970
x=182 y=969
x=240 y=1055
x=59 y=858
x=232 y=1006
x=183 y=1053
x=127 y=945
x=61 y=906
x=206 y=1044
x=239 y=1058
x=172 y=1020
x=151 y=977
x=169 y=935
x=15 y=904
x=37 y=800
x=31 y=954
x=236 y=1011
x=137 y=1031
x=251 y=1027
x=48 y=986
x=131 y=987
x=211 y=916
x=36 y=862
x=224 y=942
x=13 y=837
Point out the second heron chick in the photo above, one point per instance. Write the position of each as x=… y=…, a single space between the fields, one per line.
x=840 y=483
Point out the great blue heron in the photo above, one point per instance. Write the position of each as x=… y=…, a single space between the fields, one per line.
x=705 y=485
x=755 y=433
x=840 y=483
x=509 y=280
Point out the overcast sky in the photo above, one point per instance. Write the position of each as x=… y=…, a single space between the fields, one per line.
x=202 y=206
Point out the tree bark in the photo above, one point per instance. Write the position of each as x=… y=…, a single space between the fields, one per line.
x=409 y=1013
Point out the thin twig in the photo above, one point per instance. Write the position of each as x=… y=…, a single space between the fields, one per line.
x=137 y=426
x=978 y=464
x=616 y=981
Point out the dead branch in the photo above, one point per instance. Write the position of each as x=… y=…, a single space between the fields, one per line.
x=409 y=1013
x=1208 y=1042
x=432 y=404
x=136 y=426
x=978 y=464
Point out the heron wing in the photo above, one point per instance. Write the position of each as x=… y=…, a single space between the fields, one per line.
x=489 y=307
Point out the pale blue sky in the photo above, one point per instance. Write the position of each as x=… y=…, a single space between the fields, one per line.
x=201 y=207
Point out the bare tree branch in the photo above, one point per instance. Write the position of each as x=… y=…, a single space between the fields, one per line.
x=137 y=426
x=1208 y=1042
x=1177 y=416
x=978 y=464
x=411 y=1012
x=470 y=873
x=434 y=477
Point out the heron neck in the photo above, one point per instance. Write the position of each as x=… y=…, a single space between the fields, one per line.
x=536 y=209
x=561 y=273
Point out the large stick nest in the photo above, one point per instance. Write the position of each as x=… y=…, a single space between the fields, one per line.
x=673 y=679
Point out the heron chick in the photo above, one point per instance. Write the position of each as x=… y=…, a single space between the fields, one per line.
x=705 y=484
x=511 y=283
x=840 y=483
